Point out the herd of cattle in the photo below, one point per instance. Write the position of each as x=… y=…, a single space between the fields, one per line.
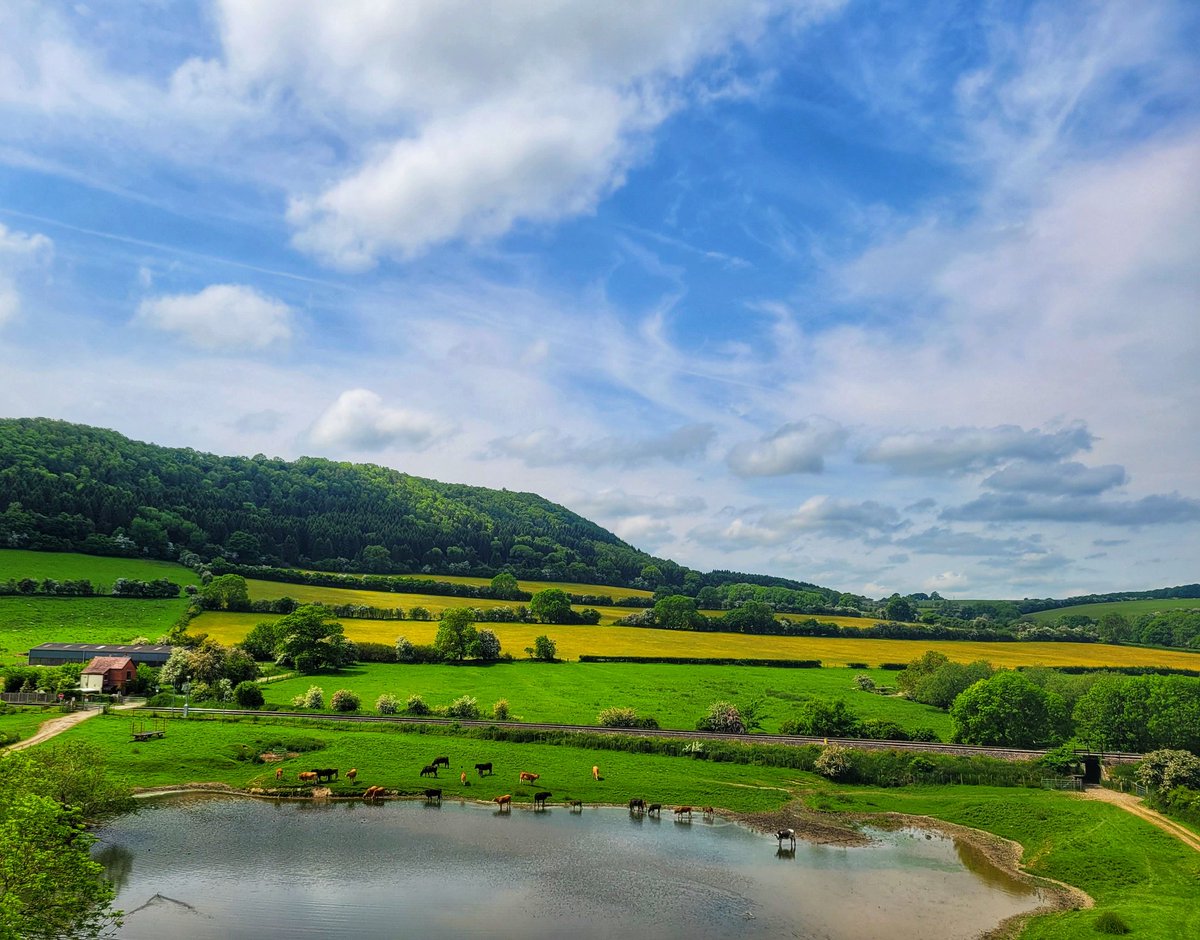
x=637 y=806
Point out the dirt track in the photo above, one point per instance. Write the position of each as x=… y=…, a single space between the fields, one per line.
x=1134 y=805
x=49 y=729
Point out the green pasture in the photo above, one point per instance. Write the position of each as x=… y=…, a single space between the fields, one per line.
x=1148 y=878
x=26 y=622
x=1130 y=609
x=24 y=720
x=574 y=693
x=532 y=587
x=102 y=571
x=199 y=750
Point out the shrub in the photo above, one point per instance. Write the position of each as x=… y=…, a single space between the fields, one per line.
x=543 y=648
x=416 y=705
x=164 y=700
x=722 y=717
x=1165 y=769
x=248 y=695
x=834 y=762
x=344 y=700
x=223 y=691
x=618 y=718
x=313 y=698
x=487 y=645
x=1109 y=922
x=375 y=653
x=387 y=704
x=463 y=707
x=865 y=683
x=857 y=666
x=500 y=710
x=404 y=650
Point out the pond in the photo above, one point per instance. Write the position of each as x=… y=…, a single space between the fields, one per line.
x=204 y=866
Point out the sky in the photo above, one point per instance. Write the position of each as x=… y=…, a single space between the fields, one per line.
x=885 y=296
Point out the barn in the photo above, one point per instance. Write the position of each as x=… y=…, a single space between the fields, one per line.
x=107 y=674
x=55 y=654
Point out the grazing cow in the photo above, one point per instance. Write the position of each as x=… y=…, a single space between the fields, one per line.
x=278 y=773
x=504 y=801
x=576 y=805
x=527 y=777
x=637 y=805
x=654 y=809
x=373 y=793
x=462 y=778
x=539 y=799
x=708 y=811
x=595 y=772
x=351 y=774
x=435 y=795
x=307 y=776
x=429 y=770
x=328 y=774
x=442 y=762
x=482 y=768
x=683 y=811
x=789 y=834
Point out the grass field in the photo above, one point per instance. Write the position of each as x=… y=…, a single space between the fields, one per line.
x=26 y=719
x=205 y=750
x=635 y=641
x=573 y=693
x=1148 y=878
x=571 y=587
x=63 y=566
x=1128 y=609
x=26 y=622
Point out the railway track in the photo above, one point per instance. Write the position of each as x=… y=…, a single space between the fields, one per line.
x=1001 y=753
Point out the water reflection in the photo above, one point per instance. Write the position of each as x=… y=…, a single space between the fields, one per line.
x=117 y=861
x=219 y=867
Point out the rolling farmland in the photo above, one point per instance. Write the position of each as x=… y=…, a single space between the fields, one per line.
x=1130 y=609
x=102 y=571
x=574 y=641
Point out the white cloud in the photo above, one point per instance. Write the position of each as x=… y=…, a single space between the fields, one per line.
x=1057 y=479
x=19 y=252
x=946 y=582
x=798 y=447
x=545 y=447
x=612 y=502
x=961 y=450
x=223 y=317
x=360 y=420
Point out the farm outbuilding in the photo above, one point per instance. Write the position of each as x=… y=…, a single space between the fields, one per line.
x=107 y=674
x=55 y=654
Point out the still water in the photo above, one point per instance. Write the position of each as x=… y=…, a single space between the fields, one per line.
x=206 y=866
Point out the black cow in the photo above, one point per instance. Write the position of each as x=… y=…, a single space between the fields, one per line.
x=429 y=770
x=442 y=762
x=539 y=799
x=435 y=795
x=482 y=768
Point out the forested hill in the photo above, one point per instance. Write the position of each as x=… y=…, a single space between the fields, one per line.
x=73 y=487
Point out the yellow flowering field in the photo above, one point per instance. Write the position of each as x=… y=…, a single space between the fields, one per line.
x=631 y=641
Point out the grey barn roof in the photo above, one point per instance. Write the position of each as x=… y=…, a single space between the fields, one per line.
x=50 y=653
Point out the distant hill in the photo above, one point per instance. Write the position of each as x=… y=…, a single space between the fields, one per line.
x=71 y=487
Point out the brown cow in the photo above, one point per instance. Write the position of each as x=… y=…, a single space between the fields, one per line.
x=708 y=811
x=683 y=811
x=595 y=772
x=307 y=776
x=373 y=793
x=504 y=801
x=527 y=777
x=278 y=773
x=351 y=773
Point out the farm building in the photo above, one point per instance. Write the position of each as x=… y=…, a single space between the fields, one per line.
x=107 y=674
x=55 y=654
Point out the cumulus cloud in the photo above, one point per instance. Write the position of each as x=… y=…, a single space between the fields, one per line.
x=359 y=420
x=950 y=451
x=824 y=515
x=222 y=317
x=1149 y=510
x=547 y=447
x=18 y=253
x=946 y=582
x=1059 y=479
x=798 y=447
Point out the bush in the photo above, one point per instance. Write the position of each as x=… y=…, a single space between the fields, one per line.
x=857 y=666
x=313 y=698
x=865 y=683
x=500 y=710
x=487 y=645
x=404 y=650
x=416 y=705
x=248 y=695
x=223 y=691
x=387 y=704
x=722 y=717
x=463 y=707
x=1109 y=922
x=375 y=653
x=1165 y=769
x=834 y=762
x=344 y=700
x=165 y=700
x=618 y=718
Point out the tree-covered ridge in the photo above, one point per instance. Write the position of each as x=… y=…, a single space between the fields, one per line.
x=72 y=487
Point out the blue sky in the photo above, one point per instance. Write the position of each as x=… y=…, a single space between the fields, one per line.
x=885 y=296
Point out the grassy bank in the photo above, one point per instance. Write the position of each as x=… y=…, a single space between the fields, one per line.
x=573 y=693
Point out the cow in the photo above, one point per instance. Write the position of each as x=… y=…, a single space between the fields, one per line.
x=504 y=801
x=683 y=811
x=307 y=776
x=429 y=770
x=462 y=778
x=526 y=777
x=373 y=793
x=539 y=799
x=328 y=774
x=482 y=768
x=278 y=773
x=789 y=834
x=351 y=774
x=435 y=795
x=595 y=772
x=637 y=805
x=708 y=811
x=442 y=762
x=576 y=805
x=654 y=809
